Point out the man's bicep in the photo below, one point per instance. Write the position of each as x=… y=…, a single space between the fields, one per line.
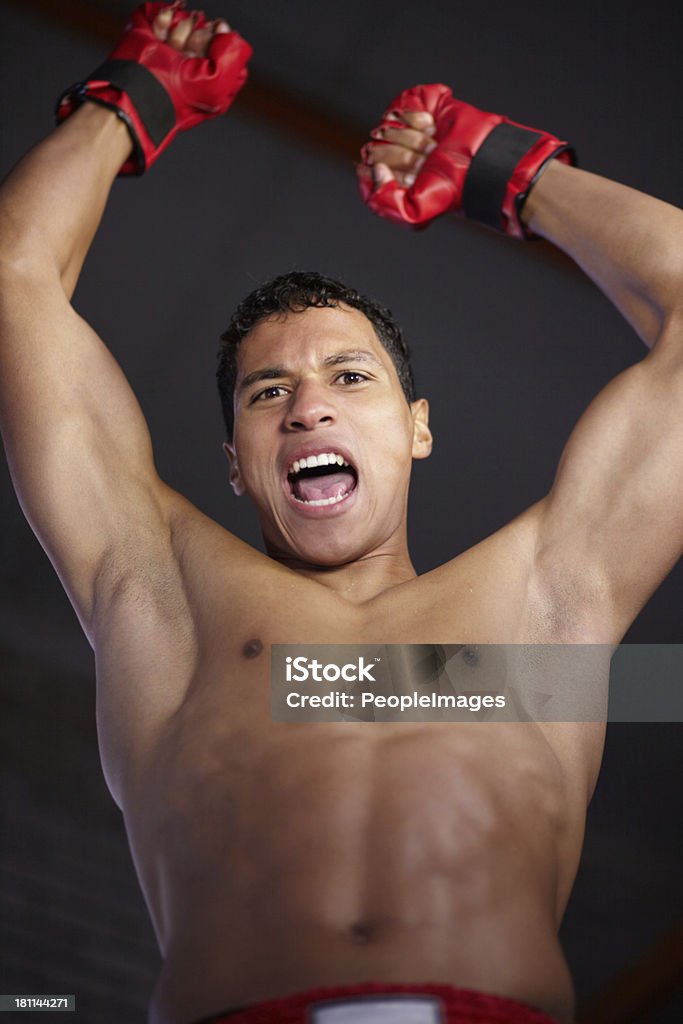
x=76 y=440
x=612 y=523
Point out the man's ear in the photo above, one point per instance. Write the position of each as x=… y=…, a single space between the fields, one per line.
x=422 y=435
x=235 y=477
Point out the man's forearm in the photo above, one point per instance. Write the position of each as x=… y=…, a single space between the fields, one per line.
x=629 y=244
x=52 y=203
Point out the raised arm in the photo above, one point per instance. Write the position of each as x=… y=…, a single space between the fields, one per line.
x=77 y=444
x=611 y=527
x=76 y=441
x=629 y=244
x=615 y=512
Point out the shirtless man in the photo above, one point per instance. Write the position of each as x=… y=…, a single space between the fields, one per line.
x=333 y=859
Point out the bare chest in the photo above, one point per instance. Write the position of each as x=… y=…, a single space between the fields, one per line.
x=201 y=653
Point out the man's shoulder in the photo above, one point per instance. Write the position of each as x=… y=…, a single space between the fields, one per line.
x=151 y=564
x=528 y=593
x=200 y=544
x=504 y=558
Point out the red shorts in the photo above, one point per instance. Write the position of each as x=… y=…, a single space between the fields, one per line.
x=377 y=1003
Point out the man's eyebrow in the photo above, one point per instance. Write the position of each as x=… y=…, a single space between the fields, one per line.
x=267 y=373
x=352 y=356
x=336 y=359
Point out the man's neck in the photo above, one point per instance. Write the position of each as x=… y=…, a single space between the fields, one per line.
x=361 y=580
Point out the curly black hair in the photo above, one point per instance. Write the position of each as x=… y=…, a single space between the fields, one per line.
x=292 y=293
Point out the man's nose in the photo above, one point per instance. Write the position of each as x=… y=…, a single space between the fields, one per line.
x=310 y=406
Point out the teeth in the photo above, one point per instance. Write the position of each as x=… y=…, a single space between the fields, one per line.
x=312 y=461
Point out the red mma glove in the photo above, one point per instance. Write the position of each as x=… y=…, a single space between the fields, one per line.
x=158 y=90
x=483 y=167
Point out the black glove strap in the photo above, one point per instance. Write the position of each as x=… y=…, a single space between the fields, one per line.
x=146 y=92
x=491 y=169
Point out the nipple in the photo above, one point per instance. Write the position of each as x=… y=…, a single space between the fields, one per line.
x=252 y=648
x=470 y=655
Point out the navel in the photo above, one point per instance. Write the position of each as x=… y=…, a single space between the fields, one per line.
x=252 y=648
x=361 y=931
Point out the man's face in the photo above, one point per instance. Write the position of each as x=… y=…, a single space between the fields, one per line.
x=320 y=383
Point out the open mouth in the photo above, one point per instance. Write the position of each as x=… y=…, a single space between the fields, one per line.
x=324 y=479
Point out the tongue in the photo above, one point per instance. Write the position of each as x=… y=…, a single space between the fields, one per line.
x=315 y=488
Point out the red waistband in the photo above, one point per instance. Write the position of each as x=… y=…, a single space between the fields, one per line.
x=457 y=1005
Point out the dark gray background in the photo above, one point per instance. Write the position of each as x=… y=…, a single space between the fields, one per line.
x=510 y=344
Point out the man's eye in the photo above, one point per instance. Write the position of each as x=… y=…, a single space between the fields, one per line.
x=271 y=392
x=352 y=377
